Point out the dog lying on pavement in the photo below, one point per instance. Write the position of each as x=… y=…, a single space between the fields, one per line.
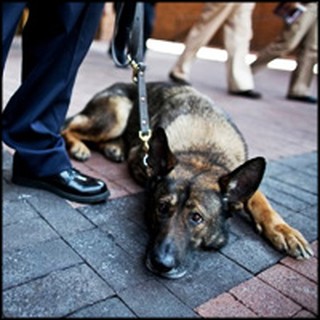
x=197 y=170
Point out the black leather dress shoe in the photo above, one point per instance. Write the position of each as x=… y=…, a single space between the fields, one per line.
x=247 y=94
x=69 y=184
x=307 y=99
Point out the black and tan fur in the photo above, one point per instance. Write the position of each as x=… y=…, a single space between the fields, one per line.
x=197 y=173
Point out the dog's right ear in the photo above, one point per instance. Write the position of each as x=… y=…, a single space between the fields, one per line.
x=160 y=158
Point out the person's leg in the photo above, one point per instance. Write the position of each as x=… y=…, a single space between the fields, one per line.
x=307 y=56
x=11 y=14
x=212 y=17
x=285 y=43
x=55 y=42
x=237 y=35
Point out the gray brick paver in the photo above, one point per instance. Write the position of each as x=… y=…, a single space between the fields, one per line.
x=287 y=200
x=211 y=274
x=17 y=211
x=253 y=254
x=56 y=295
x=119 y=269
x=60 y=215
x=295 y=191
x=301 y=180
x=26 y=233
x=151 y=299
x=110 y=308
x=26 y=264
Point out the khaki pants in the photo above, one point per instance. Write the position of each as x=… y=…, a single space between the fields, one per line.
x=236 y=19
x=302 y=35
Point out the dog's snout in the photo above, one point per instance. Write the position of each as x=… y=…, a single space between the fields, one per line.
x=163 y=256
x=162 y=263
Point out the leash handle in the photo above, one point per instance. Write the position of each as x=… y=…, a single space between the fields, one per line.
x=127 y=38
x=125 y=12
x=137 y=38
x=134 y=46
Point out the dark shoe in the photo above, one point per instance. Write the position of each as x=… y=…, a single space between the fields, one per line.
x=247 y=94
x=308 y=99
x=69 y=184
x=178 y=80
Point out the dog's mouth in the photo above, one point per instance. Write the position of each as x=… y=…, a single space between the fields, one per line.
x=174 y=273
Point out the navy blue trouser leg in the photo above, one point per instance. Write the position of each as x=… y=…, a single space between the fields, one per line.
x=11 y=14
x=55 y=40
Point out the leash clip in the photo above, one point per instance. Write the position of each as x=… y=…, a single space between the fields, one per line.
x=136 y=68
x=145 y=137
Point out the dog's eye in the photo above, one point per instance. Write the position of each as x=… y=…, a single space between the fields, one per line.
x=195 y=217
x=163 y=207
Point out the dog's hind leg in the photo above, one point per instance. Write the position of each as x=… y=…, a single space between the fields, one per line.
x=101 y=123
x=275 y=229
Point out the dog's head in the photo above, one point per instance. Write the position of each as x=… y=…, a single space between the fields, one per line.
x=189 y=209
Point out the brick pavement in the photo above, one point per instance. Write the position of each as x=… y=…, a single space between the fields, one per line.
x=61 y=259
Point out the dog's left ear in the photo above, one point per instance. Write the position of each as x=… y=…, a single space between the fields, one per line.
x=160 y=158
x=240 y=184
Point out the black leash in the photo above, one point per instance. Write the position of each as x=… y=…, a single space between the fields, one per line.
x=129 y=21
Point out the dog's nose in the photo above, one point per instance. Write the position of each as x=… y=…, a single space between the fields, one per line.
x=163 y=263
x=163 y=258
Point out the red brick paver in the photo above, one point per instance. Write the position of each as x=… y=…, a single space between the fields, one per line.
x=116 y=175
x=307 y=268
x=288 y=289
x=224 y=306
x=264 y=300
x=304 y=314
x=293 y=285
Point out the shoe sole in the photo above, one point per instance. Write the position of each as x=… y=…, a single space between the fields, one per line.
x=303 y=99
x=98 y=198
x=239 y=94
x=179 y=80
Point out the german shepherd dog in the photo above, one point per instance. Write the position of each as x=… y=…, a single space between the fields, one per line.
x=197 y=170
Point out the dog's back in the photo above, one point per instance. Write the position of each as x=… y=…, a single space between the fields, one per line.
x=194 y=123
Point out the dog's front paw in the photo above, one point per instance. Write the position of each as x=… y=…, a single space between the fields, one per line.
x=80 y=152
x=290 y=240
